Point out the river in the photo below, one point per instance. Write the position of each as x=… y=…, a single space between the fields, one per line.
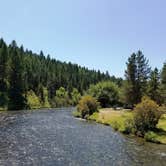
x=56 y=138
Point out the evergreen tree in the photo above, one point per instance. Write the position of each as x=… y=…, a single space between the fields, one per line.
x=136 y=76
x=3 y=75
x=163 y=84
x=16 y=93
x=22 y=71
x=131 y=81
x=143 y=71
x=154 y=85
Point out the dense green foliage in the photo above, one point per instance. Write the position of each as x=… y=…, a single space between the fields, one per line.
x=75 y=96
x=106 y=93
x=137 y=74
x=141 y=80
x=154 y=86
x=25 y=76
x=87 y=106
x=22 y=71
x=146 y=116
x=151 y=137
x=163 y=85
x=62 y=98
x=33 y=101
x=4 y=67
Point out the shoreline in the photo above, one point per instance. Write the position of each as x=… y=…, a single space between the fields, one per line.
x=116 y=120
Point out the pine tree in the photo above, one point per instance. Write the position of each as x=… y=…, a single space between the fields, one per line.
x=16 y=98
x=3 y=75
x=154 y=85
x=130 y=86
x=143 y=71
x=22 y=71
x=163 y=84
x=136 y=78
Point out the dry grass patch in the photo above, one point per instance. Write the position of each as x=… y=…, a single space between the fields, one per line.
x=112 y=117
x=117 y=119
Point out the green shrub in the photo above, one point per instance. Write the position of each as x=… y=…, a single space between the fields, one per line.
x=94 y=116
x=87 y=106
x=146 y=115
x=33 y=101
x=62 y=98
x=107 y=93
x=75 y=96
x=129 y=126
x=151 y=137
x=76 y=114
x=45 y=103
x=115 y=125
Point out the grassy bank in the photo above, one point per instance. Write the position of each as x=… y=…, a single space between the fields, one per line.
x=2 y=109
x=118 y=119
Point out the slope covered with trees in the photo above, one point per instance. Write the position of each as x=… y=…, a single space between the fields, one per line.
x=29 y=80
x=26 y=77
x=141 y=80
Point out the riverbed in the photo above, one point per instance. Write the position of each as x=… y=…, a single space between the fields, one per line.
x=56 y=138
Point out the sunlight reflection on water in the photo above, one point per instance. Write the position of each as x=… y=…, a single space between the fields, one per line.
x=50 y=137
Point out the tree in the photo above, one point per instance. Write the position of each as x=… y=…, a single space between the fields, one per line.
x=87 y=106
x=146 y=115
x=75 y=96
x=33 y=101
x=17 y=100
x=4 y=68
x=62 y=98
x=44 y=97
x=106 y=93
x=154 y=86
x=136 y=75
x=131 y=81
x=22 y=71
x=163 y=85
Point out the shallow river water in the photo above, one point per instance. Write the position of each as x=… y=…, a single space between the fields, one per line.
x=56 y=138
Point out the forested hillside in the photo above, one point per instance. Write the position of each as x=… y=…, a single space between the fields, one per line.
x=31 y=80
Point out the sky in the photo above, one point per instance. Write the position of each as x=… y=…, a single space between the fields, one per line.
x=98 y=34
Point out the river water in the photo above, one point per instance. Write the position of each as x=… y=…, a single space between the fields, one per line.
x=56 y=138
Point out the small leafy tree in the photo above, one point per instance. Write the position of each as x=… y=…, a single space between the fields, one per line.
x=107 y=93
x=87 y=106
x=33 y=101
x=146 y=115
x=75 y=96
x=62 y=98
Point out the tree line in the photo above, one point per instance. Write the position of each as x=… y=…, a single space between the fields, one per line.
x=27 y=78
x=30 y=80
x=141 y=80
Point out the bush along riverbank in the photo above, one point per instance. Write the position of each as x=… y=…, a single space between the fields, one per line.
x=147 y=120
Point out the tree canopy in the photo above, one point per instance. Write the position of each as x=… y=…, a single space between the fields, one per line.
x=22 y=71
x=107 y=93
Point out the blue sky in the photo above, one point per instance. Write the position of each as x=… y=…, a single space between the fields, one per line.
x=99 y=34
